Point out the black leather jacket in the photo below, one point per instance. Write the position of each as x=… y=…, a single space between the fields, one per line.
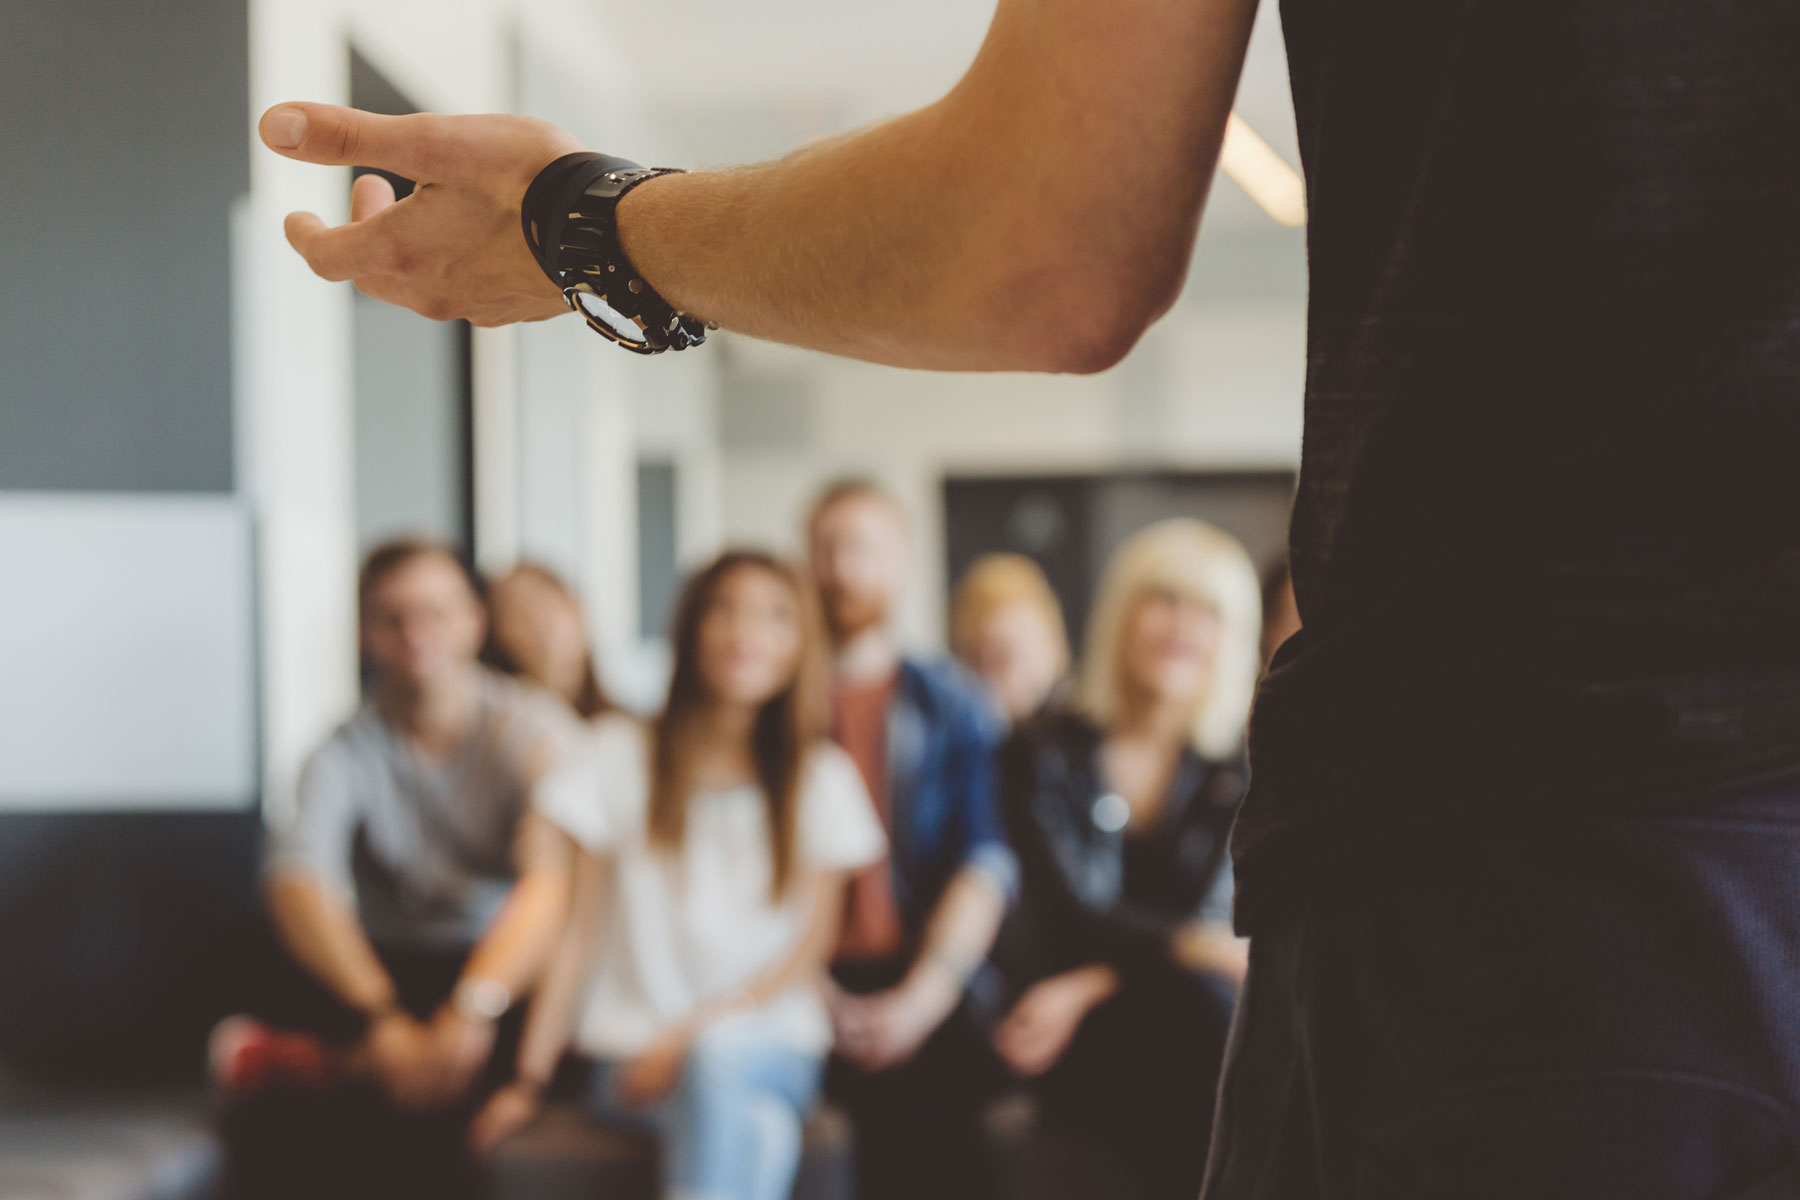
x=1089 y=891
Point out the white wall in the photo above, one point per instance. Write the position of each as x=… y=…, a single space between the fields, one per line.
x=128 y=652
x=294 y=342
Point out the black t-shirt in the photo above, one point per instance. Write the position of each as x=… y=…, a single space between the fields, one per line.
x=1546 y=545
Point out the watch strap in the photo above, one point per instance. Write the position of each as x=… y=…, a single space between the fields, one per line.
x=569 y=218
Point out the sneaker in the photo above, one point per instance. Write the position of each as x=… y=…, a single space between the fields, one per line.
x=245 y=1056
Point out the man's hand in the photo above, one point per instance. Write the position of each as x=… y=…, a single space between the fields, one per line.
x=880 y=1030
x=653 y=1074
x=1043 y=1023
x=397 y=1052
x=454 y=247
x=459 y=1049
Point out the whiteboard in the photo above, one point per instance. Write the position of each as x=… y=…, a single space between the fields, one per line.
x=127 y=652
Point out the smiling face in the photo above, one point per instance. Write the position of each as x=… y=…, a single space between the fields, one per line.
x=858 y=549
x=1017 y=654
x=748 y=649
x=1167 y=647
x=422 y=624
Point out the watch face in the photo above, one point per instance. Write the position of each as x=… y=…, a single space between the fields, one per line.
x=623 y=327
x=487 y=999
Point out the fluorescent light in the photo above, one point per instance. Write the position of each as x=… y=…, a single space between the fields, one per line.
x=1254 y=166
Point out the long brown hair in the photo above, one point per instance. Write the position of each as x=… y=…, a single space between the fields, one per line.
x=590 y=699
x=787 y=726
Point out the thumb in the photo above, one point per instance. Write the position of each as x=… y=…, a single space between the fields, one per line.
x=418 y=146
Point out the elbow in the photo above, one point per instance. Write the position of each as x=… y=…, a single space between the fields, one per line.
x=1083 y=320
x=1089 y=347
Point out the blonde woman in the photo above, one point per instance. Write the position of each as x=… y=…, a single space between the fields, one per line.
x=1120 y=955
x=1007 y=627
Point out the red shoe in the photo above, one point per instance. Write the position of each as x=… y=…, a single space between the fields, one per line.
x=246 y=1056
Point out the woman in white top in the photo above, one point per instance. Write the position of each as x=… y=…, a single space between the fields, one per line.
x=715 y=847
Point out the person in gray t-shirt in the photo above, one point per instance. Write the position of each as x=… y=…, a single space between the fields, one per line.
x=411 y=836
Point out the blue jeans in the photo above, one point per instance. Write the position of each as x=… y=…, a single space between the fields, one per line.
x=731 y=1128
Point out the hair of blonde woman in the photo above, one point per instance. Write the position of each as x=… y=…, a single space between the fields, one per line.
x=1193 y=559
x=998 y=581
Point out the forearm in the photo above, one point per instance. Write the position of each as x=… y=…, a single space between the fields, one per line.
x=515 y=948
x=551 y=1020
x=1096 y=983
x=556 y=1003
x=1038 y=217
x=961 y=930
x=1211 y=947
x=869 y=246
x=324 y=936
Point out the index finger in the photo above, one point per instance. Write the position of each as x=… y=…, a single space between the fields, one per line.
x=349 y=251
x=419 y=146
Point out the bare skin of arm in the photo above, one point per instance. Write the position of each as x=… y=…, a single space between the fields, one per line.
x=322 y=933
x=1033 y=1036
x=512 y=952
x=1038 y=217
x=879 y=1030
x=1214 y=947
x=427 y=1064
x=551 y=1022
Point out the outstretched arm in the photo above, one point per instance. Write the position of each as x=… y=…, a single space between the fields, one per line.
x=1039 y=217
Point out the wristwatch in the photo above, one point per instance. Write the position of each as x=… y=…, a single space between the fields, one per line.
x=481 y=999
x=570 y=220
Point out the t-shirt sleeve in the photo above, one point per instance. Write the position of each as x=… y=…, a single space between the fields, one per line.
x=594 y=792
x=319 y=835
x=838 y=829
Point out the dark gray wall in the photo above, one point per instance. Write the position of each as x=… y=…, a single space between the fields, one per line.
x=1071 y=524
x=124 y=139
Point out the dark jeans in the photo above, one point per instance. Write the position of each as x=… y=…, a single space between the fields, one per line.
x=1584 y=1010
x=918 y=1125
x=349 y=1143
x=1139 y=1079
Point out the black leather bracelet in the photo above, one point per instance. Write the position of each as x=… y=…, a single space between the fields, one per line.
x=569 y=216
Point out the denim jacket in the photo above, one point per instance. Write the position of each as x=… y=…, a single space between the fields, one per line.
x=942 y=737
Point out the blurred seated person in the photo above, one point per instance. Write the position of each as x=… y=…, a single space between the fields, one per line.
x=418 y=898
x=715 y=847
x=1120 y=951
x=912 y=1060
x=1281 y=612
x=539 y=635
x=1007 y=627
